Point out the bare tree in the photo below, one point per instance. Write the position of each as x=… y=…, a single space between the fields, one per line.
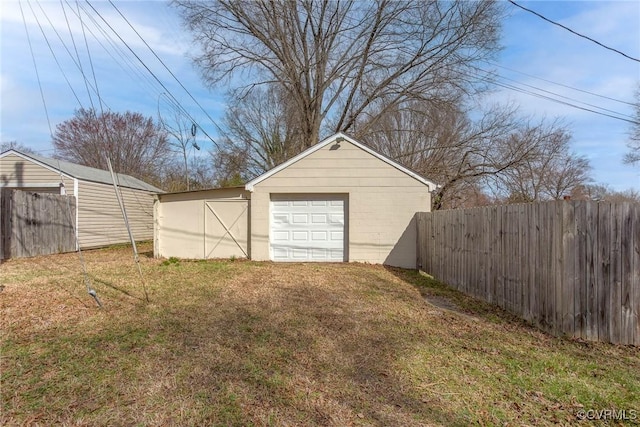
x=201 y=174
x=14 y=145
x=602 y=192
x=496 y=152
x=134 y=143
x=340 y=62
x=260 y=132
x=440 y=141
x=633 y=156
x=182 y=139
x=550 y=171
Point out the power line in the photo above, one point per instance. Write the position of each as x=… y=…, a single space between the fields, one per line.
x=487 y=77
x=44 y=103
x=128 y=63
x=549 y=98
x=149 y=70
x=490 y=77
x=75 y=48
x=560 y=84
x=55 y=58
x=162 y=62
x=561 y=96
x=573 y=32
x=93 y=71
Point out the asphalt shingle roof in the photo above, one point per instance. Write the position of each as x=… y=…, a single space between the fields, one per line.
x=87 y=173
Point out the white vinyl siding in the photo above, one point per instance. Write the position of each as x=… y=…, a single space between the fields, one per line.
x=100 y=220
x=22 y=174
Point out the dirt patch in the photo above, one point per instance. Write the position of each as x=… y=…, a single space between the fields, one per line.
x=445 y=304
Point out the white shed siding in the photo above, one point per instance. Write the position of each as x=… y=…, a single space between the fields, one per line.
x=187 y=227
x=100 y=220
x=19 y=173
x=382 y=202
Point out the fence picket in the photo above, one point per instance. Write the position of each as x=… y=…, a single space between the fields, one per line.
x=569 y=267
x=36 y=224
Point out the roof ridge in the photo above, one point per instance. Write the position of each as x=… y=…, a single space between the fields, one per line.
x=87 y=173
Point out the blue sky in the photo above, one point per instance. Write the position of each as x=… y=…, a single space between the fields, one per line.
x=535 y=53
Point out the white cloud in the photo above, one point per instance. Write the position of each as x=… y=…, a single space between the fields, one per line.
x=546 y=51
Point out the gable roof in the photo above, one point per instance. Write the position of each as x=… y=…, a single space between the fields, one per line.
x=84 y=173
x=335 y=138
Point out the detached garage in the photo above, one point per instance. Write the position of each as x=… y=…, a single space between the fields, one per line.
x=337 y=201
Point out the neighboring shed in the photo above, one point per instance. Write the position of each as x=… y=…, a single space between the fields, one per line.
x=337 y=201
x=98 y=217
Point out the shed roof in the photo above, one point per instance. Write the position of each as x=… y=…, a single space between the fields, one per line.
x=335 y=138
x=84 y=173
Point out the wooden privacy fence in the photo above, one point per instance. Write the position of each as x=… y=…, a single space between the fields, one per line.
x=35 y=224
x=569 y=267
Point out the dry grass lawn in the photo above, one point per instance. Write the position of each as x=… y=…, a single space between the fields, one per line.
x=244 y=343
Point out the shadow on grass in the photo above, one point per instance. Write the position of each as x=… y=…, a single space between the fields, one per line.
x=118 y=289
x=289 y=345
x=146 y=254
x=264 y=344
x=306 y=354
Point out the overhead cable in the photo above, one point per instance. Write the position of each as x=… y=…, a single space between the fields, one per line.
x=162 y=62
x=75 y=48
x=55 y=57
x=574 y=32
x=128 y=63
x=560 y=84
x=549 y=98
x=35 y=66
x=151 y=72
x=493 y=79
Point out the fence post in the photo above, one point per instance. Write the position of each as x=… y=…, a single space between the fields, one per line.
x=419 y=240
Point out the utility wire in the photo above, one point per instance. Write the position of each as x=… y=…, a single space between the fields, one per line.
x=162 y=62
x=87 y=281
x=35 y=66
x=75 y=48
x=93 y=71
x=560 y=84
x=128 y=63
x=55 y=58
x=554 y=94
x=574 y=32
x=151 y=72
x=549 y=98
x=491 y=78
x=73 y=59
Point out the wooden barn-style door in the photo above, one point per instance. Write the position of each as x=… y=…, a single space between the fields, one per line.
x=226 y=228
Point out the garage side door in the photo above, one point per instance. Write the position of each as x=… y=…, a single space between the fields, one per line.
x=226 y=228
x=308 y=228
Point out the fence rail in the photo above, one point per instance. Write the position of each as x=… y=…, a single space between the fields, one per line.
x=34 y=224
x=569 y=267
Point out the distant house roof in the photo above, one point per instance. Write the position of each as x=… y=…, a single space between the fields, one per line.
x=84 y=173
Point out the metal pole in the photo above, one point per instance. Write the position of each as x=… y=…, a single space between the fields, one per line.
x=126 y=221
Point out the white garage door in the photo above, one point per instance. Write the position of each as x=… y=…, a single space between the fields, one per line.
x=308 y=229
